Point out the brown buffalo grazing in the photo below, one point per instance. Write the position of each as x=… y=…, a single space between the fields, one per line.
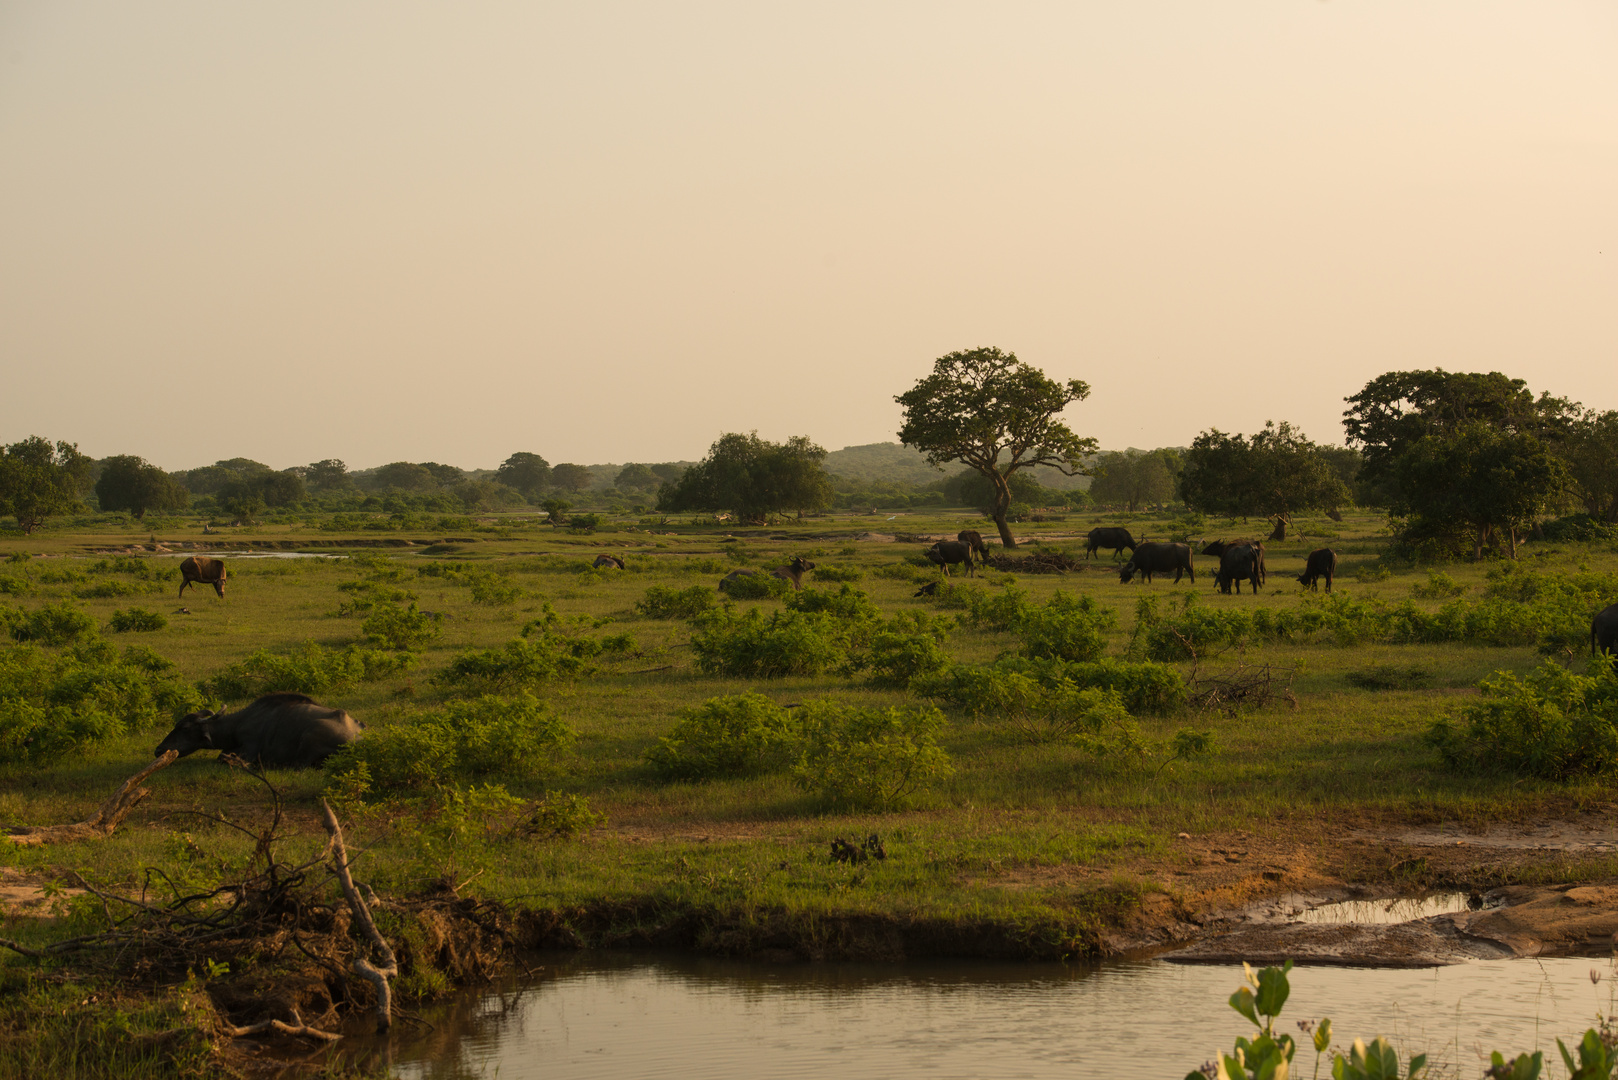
x=202 y=568
x=1158 y=558
x=947 y=553
x=1322 y=564
x=607 y=560
x=281 y=731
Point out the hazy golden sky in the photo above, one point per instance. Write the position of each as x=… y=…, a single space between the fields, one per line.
x=610 y=231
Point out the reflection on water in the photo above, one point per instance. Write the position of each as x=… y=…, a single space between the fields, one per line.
x=673 y=1016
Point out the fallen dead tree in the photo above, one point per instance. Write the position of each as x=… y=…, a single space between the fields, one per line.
x=1244 y=688
x=101 y=824
x=1038 y=562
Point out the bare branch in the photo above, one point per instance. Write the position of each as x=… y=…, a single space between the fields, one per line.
x=377 y=976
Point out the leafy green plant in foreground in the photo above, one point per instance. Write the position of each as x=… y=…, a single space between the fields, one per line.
x=735 y=735
x=138 y=620
x=400 y=628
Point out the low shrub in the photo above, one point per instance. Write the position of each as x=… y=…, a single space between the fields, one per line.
x=366 y=595
x=662 y=602
x=755 y=587
x=1093 y=718
x=836 y=573
x=108 y=590
x=559 y=816
x=896 y=658
x=1145 y=687
x=461 y=741
x=401 y=628
x=1579 y=527
x=1003 y=608
x=1553 y=724
x=1438 y=586
x=544 y=656
x=50 y=624
x=846 y=603
x=876 y=759
x=136 y=620
x=789 y=642
x=310 y=669
x=738 y=735
x=51 y=705
x=1391 y=677
x=1065 y=628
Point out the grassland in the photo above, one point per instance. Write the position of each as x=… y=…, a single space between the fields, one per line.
x=1027 y=849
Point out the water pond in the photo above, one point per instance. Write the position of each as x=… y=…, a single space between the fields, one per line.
x=626 y=1015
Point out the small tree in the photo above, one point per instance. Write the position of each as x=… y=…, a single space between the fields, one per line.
x=130 y=483
x=1480 y=478
x=528 y=473
x=38 y=480
x=570 y=477
x=1135 y=479
x=328 y=475
x=993 y=413
x=753 y=478
x=1276 y=474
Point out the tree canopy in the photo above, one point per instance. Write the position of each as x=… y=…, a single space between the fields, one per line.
x=570 y=477
x=1135 y=479
x=1590 y=450
x=524 y=472
x=328 y=475
x=1275 y=474
x=38 y=480
x=131 y=483
x=753 y=478
x=993 y=413
x=1476 y=476
x=636 y=478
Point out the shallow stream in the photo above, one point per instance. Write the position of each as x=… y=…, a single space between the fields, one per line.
x=628 y=1015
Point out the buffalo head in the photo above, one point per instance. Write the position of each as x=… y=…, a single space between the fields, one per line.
x=192 y=733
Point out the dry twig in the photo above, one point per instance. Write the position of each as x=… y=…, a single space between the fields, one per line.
x=99 y=825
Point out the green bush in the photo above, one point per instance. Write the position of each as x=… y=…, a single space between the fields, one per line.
x=846 y=603
x=1438 y=586
x=108 y=590
x=662 y=602
x=789 y=642
x=400 y=628
x=755 y=587
x=836 y=573
x=896 y=658
x=311 y=669
x=738 y=735
x=534 y=660
x=136 y=620
x=51 y=705
x=50 y=624
x=1579 y=527
x=869 y=758
x=489 y=589
x=559 y=815
x=1003 y=608
x=463 y=740
x=1554 y=724
x=366 y=595
x=1066 y=628
x=1145 y=687
x=1056 y=709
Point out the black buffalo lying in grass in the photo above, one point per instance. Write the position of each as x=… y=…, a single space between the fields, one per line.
x=607 y=560
x=1604 y=631
x=1322 y=564
x=202 y=568
x=282 y=731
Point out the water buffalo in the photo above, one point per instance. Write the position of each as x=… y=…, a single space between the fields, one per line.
x=1216 y=548
x=202 y=568
x=947 y=553
x=607 y=560
x=1322 y=564
x=974 y=540
x=1604 y=631
x=283 y=731
x=1109 y=537
x=1158 y=558
x=1238 y=563
x=929 y=589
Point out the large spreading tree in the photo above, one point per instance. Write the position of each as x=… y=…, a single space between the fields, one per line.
x=38 y=479
x=525 y=472
x=1462 y=456
x=1135 y=478
x=753 y=478
x=1277 y=473
x=993 y=413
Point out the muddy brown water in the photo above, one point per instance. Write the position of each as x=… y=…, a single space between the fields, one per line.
x=656 y=1015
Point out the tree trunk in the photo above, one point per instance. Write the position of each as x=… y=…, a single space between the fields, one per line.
x=1002 y=503
x=1280 y=531
x=1511 y=533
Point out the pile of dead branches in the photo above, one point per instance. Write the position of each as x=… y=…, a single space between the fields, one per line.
x=1038 y=562
x=270 y=910
x=1244 y=688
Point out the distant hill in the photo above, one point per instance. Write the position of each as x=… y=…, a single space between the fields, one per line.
x=896 y=463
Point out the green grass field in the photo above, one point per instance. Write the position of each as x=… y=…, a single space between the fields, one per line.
x=1028 y=848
